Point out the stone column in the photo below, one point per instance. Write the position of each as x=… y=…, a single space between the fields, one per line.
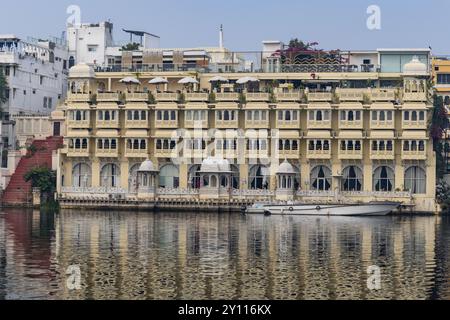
x=243 y=177
x=368 y=176
x=124 y=174
x=96 y=173
x=184 y=175
x=305 y=171
x=399 y=176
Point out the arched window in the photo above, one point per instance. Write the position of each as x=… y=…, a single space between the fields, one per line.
x=226 y=115
x=166 y=116
x=110 y=176
x=194 y=177
x=81 y=174
x=136 y=144
x=132 y=179
x=422 y=116
x=406 y=115
x=235 y=177
x=77 y=144
x=350 y=116
x=382 y=116
x=213 y=181
x=414 y=116
x=84 y=144
x=415 y=180
x=319 y=116
x=383 y=179
x=321 y=178
x=136 y=115
x=78 y=116
x=173 y=116
x=249 y=115
x=288 y=115
x=100 y=115
x=259 y=177
x=169 y=176
x=143 y=115
x=143 y=144
x=352 y=179
x=257 y=115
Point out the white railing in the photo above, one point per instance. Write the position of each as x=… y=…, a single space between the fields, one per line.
x=337 y=194
x=253 y=193
x=178 y=192
x=94 y=190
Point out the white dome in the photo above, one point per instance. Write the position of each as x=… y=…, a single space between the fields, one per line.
x=286 y=168
x=82 y=70
x=215 y=165
x=415 y=68
x=147 y=166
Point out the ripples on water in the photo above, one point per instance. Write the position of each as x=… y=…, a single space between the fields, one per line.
x=210 y=256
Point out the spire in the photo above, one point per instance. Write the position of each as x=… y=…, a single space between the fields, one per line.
x=221 y=37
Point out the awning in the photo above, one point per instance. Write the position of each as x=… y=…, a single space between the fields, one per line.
x=107 y=133
x=107 y=106
x=196 y=106
x=136 y=134
x=288 y=134
x=78 y=106
x=227 y=105
x=351 y=106
x=350 y=134
x=319 y=105
x=166 y=106
x=288 y=106
x=415 y=134
x=257 y=106
x=136 y=106
x=414 y=106
x=382 y=106
x=318 y=134
x=381 y=134
x=78 y=134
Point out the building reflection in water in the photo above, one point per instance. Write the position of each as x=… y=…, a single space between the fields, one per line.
x=210 y=256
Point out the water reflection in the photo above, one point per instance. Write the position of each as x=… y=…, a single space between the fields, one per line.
x=210 y=256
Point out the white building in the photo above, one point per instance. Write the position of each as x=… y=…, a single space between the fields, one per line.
x=36 y=73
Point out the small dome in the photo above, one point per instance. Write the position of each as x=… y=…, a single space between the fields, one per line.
x=415 y=68
x=215 y=165
x=147 y=166
x=82 y=70
x=286 y=168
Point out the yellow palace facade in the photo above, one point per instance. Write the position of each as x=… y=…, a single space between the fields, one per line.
x=319 y=132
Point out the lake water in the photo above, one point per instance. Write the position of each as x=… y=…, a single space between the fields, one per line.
x=111 y=255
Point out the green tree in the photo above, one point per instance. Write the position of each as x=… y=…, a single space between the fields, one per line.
x=44 y=179
x=131 y=47
x=3 y=88
x=299 y=44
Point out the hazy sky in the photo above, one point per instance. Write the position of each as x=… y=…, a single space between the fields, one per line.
x=335 y=24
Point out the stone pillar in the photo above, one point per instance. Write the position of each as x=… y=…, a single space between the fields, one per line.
x=68 y=179
x=243 y=177
x=184 y=175
x=36 y=197
x=368 y=176
x=306 y=175
x=336 y=167
x=399 y=176
x=124 y=174
x=96 y=173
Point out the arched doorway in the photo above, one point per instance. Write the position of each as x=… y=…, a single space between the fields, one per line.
x=110 y=176
x=82 y=176
x=194 y=178
x=132 y=178
x=321 y=178
x=169 y=176
x=352 y=179
x=259 y=177
x=415 y=180
x=383 y=179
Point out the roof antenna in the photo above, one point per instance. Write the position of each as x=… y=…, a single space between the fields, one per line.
x=221 y=37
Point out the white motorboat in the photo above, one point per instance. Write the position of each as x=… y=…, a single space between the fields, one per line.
x=369 y=209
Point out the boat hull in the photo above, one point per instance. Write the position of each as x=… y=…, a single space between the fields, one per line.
x=372 y=209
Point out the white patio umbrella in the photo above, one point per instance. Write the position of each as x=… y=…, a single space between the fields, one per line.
x=219 y=79
x=188 y=80
x=158 y=80
x=246 y=80
x=130 y=80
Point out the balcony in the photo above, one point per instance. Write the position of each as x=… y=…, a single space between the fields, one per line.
x=227 y=96
x=415 y=96
x=257 y=154
x=289 y=154
x=318 y=154
x=166 y=124
x=288 y=96
x=166 y=97
x=107 y=124
x=382 y=154
x=380 y=124
x=315 y=124
x=191 y=124
x=286 y=124
x=137 y=97
x=351 y=94
x=77 y=153
x=382 y=94
x=197 y=97
x=350 y=154
x=414 y=155
x=415 y=125
x=320 y=96
x=346 y=124
x=136 y=124
x=136 y=153
x=227 y=124
x=78 y=97
x=257 y=124
x=79 y=124
x=108 y=97
x=107 y=153
x=165 y=153
x=257 y=97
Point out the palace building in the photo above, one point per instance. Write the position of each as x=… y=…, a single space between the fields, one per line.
x=314 y=126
